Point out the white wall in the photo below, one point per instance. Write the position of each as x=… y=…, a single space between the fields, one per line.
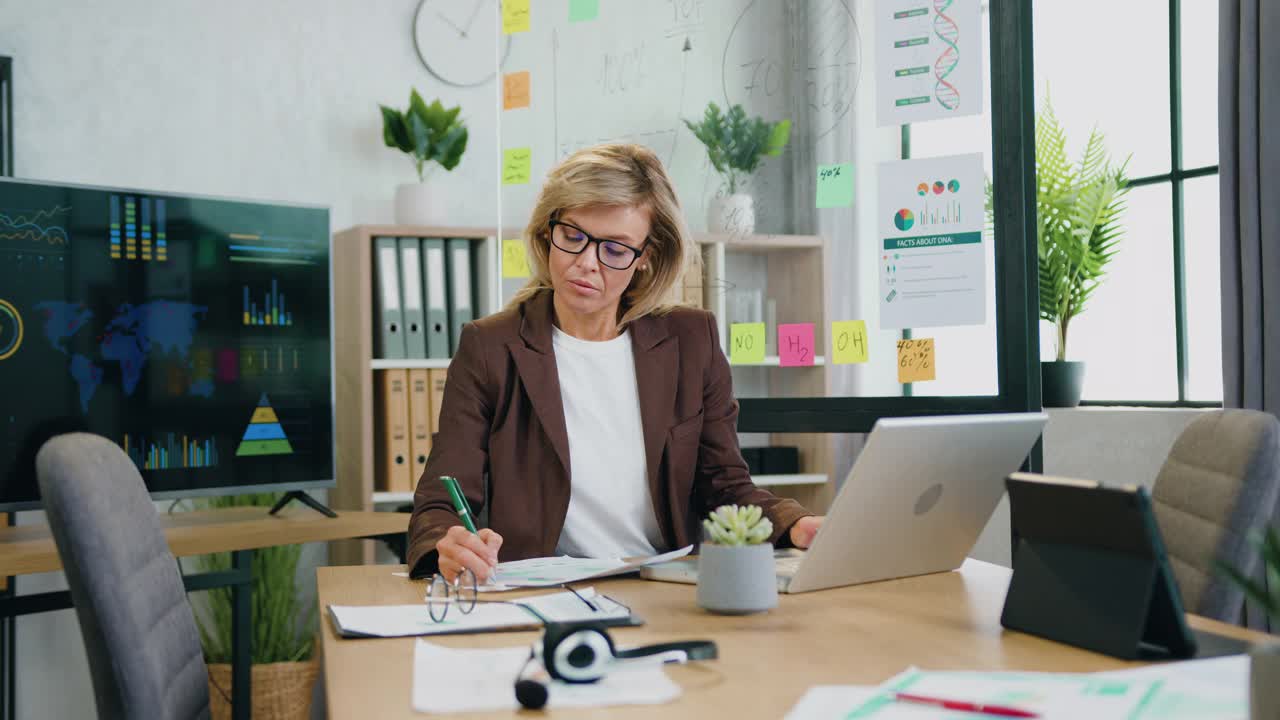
x=266 y=101
x=1111 y=445
x=273 y=101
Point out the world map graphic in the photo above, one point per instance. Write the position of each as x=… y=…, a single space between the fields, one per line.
x=132 y=336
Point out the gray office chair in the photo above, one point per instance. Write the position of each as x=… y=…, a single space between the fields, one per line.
x=1220 y=482
x=144 y=650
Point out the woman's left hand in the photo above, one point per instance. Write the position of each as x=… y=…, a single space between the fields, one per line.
x=803 y=532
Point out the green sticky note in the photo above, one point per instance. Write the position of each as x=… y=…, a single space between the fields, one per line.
x=582 y=10
x=515 y=166
x=849 y=341
x=835 y=185
x=746 y=343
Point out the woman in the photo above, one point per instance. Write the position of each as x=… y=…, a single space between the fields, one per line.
x=604 y=421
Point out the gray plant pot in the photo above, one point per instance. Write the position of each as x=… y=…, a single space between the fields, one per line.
x=1061 y=383
x=737 y=580
x=1264 y=680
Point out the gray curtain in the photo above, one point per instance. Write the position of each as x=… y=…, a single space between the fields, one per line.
x=1249 y=177
x=1249 y=152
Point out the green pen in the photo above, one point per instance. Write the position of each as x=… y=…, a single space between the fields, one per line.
x=463 y=507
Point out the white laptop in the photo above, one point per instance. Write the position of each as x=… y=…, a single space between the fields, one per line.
x=918 y=496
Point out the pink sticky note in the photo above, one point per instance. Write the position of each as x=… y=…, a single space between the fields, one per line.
x=795 y=344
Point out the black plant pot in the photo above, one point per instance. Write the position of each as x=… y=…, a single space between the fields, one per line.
x=1062 y=381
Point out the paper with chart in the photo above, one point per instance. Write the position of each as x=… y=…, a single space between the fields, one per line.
x=1212 y=689
x=928 y=60
x=460 y=680
x=407 y=620
x=552 y=571
x=1052 y=696
x=932 y=255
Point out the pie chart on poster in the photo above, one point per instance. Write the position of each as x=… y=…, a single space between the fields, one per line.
x=903 y=219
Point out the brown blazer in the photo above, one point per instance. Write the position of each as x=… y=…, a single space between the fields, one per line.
x=503 y=417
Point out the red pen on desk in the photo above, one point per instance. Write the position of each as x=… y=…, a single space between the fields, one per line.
x=972 y=707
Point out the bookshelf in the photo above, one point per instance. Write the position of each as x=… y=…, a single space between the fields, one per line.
x=354 y=364
x=787 y=271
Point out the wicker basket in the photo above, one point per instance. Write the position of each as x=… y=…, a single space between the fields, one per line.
x=281 y=691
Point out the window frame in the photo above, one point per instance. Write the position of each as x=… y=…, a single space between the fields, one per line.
x=1175 y=177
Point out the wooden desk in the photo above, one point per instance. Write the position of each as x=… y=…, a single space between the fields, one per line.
x=27 y=549
x=855 y=635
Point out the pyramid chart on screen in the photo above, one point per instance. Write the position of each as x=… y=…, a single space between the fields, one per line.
x=264 y=436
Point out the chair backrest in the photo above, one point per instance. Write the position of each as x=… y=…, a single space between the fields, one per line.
x=139 y=631
x=1220 y=481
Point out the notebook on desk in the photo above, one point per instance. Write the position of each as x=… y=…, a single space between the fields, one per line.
x=915 y=502
x=373 y=621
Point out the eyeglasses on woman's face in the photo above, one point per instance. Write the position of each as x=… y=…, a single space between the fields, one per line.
x=611 y=253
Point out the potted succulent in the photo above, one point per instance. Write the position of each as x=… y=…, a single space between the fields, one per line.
x=431 y=135
x=736 y=145
x=736 y=572
x=1264 y=658
x=283 y=629
x=1078 y=230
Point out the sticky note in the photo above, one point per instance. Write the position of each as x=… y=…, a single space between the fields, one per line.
x=582 y=10
x=515 y=165
x=795 y=344
x=915 y=360
x=515 y=263
x=515 y=16
x=746 y=343
x=515 y=90
x=849 y=342
x=835 y=185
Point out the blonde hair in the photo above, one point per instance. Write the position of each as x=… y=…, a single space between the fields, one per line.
x=617 y=174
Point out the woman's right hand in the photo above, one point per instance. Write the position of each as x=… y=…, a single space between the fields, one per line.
x=460 y=548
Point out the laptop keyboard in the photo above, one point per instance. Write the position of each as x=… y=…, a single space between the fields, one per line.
x=787 y=562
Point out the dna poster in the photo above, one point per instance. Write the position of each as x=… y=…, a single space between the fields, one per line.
x=928 y=60
x=932 y=256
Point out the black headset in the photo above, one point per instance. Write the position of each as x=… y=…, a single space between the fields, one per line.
x=583 y=652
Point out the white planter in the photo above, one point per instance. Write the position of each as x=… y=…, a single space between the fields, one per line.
x=732 y=215
x=737 y=580
x=419 y=204
x=1264 y=680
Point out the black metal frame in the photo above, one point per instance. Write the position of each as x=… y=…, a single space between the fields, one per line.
x=1017 y=323
x=238 y=578
x=6 y=116
x=1176 y=176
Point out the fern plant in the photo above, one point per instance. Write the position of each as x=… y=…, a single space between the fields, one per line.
x=1078 y=227
x=736 y=526
x=427 y=133
x=283 y=627
x=736 y=144
x=1265 y=594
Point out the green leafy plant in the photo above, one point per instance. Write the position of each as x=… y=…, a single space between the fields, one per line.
x=426 y=133
x=1266 y=595
x=734 y=525
x=1078 y=209
x=283 y=628
x=737 y=144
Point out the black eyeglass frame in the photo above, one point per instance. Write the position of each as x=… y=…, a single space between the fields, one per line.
x=551 y=224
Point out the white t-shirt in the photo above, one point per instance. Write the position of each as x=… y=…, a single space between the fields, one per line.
x=610 y=511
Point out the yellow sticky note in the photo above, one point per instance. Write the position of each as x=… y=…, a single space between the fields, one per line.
x=746 y=343
x=515 y=263
x=849 y=341
x=515 y=90
x=515 y=165
x=916 y=361
x=515 y=16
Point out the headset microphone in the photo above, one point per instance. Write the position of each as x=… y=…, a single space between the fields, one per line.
x=583 y=652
